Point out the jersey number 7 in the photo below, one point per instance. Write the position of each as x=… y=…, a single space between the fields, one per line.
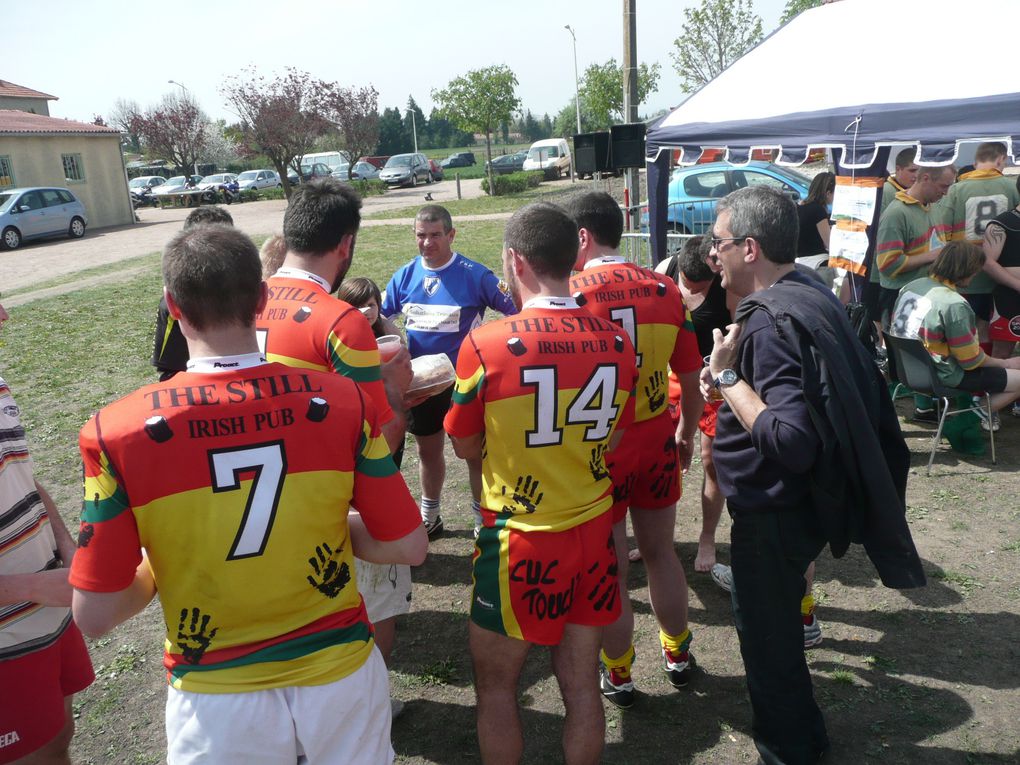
x=268 y=462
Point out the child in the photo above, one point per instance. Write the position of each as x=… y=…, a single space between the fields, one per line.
x=363 y=294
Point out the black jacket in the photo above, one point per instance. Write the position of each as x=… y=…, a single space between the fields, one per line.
x=859 y=481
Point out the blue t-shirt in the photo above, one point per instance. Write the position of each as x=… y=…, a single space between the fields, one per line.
x=441 y=306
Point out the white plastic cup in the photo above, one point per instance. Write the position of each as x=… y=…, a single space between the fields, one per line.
x=389 y=346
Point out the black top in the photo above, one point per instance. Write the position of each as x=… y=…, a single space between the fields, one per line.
x=711 y=314
x=169 y=348
x=810 y=241
x=767 y=468
x=1010 y=222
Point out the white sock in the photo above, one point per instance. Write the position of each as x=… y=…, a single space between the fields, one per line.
x=429 y=509
x=476 y=508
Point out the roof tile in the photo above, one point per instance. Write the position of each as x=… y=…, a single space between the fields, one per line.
x=11 y=90
x=16 y=122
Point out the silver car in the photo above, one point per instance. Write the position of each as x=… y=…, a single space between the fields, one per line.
x=258 y=179
x=33 y=213
x=401 y=169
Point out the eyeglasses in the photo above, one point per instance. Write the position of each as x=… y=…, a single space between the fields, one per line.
x=716 y=240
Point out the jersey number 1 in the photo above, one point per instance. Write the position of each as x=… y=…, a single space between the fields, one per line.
x=593 y=404
x=269 y=463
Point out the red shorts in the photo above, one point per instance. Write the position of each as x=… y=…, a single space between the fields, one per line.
x=34 y=687
x=645 y=467
x=675 y=392
x=1005 y=329
x=707 y=422
x=529 y=585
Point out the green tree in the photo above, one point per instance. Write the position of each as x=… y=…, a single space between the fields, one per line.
x=480 y=101
x=714 y=36
x=602 y=91
x=794 y=7
x=565 y=123
x=392 y=139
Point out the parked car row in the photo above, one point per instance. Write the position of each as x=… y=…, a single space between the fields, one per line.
x=508 y=163
x=459 y=159
x=37 y=212
x=406 y=170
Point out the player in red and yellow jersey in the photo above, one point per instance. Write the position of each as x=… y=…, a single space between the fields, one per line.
x=646 y=466
x=539 y=396
x=236 y=478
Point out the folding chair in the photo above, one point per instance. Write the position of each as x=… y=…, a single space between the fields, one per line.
x=912 y=366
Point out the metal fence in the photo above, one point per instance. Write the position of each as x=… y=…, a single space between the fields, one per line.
x=637 y=248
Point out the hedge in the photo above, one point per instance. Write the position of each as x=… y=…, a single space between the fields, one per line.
x=513 y=183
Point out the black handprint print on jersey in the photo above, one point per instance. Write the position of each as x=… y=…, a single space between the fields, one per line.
x=194 y=638
x=597 y=463
x=623 y=489
x=665 y=471
x=330 y=577
x=655 y=391
x=85 y=534
x=526 y=495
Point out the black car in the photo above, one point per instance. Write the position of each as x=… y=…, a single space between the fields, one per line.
x=460 y=159
x=509 y=163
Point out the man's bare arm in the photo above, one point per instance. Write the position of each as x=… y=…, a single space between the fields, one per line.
x=992 y=244
x=96 y=613
x=47 y=588
x=66 y=545
x=409 y=549
x=468 y=448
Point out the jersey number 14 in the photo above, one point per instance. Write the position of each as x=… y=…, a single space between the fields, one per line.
x=594 y=405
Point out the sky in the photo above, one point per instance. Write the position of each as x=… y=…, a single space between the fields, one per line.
x=89 y=54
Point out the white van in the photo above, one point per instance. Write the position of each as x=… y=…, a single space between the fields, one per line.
x=551 y=155
x=332 y=159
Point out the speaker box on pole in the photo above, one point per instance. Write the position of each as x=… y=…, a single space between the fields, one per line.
x=591 y=153
x=628 y=145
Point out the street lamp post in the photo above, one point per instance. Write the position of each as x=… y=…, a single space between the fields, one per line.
x=181 y=86
x=577 y=87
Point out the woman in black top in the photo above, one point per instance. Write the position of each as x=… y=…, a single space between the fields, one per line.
x=813 y=216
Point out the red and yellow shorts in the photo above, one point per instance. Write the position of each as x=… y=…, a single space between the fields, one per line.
x=34 y=688
x=645 y=467
x=529 y=585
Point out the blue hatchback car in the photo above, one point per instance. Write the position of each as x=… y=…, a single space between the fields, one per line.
x=694 y=191
x=33 y=213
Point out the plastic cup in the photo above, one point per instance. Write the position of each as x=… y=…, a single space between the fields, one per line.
x=389 y=346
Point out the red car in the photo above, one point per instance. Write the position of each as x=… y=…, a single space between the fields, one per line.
x=437 y=170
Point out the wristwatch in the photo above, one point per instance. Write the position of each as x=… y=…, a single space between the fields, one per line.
x=727 y=377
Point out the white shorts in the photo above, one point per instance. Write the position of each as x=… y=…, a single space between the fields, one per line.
x=342 y=723
x=386 y=588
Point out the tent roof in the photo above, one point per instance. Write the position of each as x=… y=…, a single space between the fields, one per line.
x=829 y=78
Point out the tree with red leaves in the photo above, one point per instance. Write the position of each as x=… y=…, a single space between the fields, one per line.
x=355 y=114
x=280 y=117
x=175 y=129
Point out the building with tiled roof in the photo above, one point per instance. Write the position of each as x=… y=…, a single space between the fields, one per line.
x=14 y=96
x=38 y=150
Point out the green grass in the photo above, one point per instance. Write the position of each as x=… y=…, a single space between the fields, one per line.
x=142 y=260
x=481 y=205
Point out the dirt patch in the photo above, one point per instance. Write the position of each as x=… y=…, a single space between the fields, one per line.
x=926 y=676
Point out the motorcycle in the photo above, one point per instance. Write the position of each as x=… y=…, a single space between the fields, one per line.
x=143 y=198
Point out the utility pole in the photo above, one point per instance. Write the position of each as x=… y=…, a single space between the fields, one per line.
x=632 y=179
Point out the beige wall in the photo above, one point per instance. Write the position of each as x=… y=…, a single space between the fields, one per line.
x=34 y=105
x=36 y=162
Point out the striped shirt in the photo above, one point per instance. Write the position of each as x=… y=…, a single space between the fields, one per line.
x=906 y=229
x=27 y=544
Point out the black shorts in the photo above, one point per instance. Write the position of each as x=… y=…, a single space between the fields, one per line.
x=426 y=419
x=870 y=297
x=981 y=302
x=984 y=380
x=887 y=297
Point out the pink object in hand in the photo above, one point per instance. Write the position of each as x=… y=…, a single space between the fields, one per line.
x=389 y=346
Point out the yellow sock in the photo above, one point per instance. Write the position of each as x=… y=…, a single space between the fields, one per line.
x=675 y=644
x=807 y=605
x=621 y=666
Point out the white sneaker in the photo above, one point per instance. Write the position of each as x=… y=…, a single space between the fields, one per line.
x=722 y=575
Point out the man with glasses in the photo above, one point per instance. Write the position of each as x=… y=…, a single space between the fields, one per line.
x=767 y=453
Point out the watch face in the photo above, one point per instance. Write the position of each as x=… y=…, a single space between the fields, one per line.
x=727 y=377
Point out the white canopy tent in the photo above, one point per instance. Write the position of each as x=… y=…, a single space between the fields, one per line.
x=831 y=79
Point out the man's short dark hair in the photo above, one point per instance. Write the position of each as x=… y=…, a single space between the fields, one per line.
x=990 y=151
x=546 y=237
x=214 y=275
x=598 y=212
x=321 y=213
x=906 y=157
x=692 y=260
x=435 y=214
x=766 y=215
x=205 y=214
